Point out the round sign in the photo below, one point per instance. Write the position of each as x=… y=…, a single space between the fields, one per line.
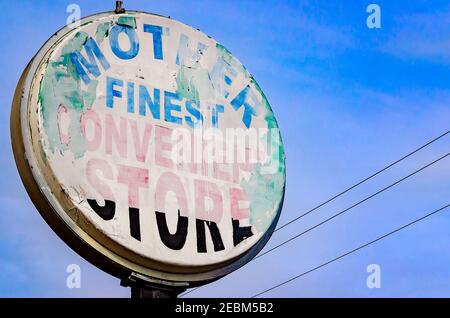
x=149 y=148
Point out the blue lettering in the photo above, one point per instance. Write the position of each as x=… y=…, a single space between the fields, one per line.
x=145 y=99
x=93 y=51
x=130 y=97
x=132 y=37
x=242 y=100
x=111 y=92
x=157 y=39
x=215 y=114
x=169 y=107
x=192 y=108
x=184 y=51
x=222 y=76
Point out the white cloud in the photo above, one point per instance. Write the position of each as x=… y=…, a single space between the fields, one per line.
x=421 y=36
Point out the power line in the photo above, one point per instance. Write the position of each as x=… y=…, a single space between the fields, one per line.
x=189 y=291
x=353 y=251
x=352 y=206
x=363 y=181
x=347 y=190
x=340 y=213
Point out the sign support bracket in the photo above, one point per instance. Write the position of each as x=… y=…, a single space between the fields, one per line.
x=119 y=9
x=146 y=287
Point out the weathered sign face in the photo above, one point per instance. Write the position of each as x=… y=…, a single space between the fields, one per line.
x=151 y=144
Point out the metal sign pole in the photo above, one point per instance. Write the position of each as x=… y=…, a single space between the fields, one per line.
x=145 y=287
x=154 y=292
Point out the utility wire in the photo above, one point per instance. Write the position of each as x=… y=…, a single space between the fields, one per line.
x=362 y=181
x=348 y=189
x=340 y=213
x=352 y=206
x=354 y=250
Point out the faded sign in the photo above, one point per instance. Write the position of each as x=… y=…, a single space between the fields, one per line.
x=155 y=141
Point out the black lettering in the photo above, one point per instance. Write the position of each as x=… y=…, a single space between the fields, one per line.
x=215 y=236
x=135 y=227
x=106 y=212
x=240 y=233
x=174 y=241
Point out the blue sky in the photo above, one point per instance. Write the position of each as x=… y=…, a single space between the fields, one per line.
x=348 y=100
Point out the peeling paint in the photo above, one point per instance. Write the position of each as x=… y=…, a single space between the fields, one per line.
x=62 y=83
x=263 y=191
x=102 y=32
x=194 y=84
x=230 y=60
x=131 y=97
x=127 y=21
